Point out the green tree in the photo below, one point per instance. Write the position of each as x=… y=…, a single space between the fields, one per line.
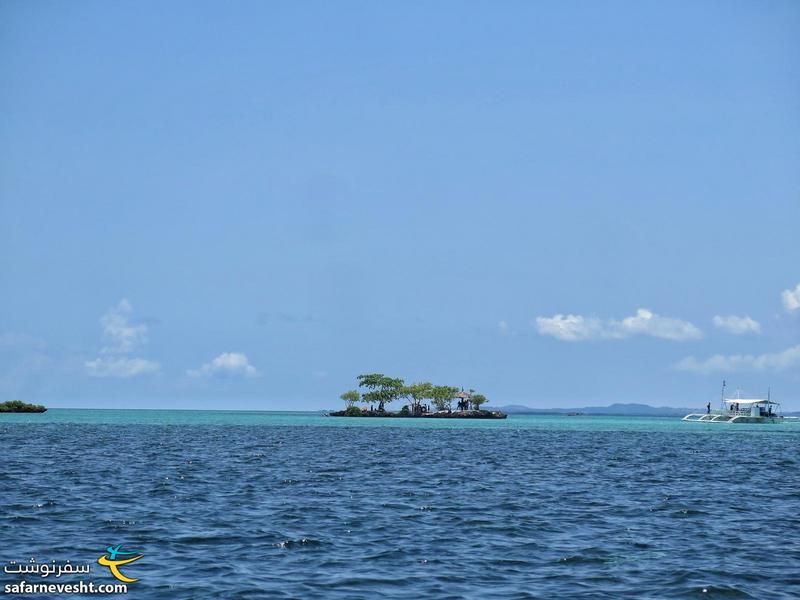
x=442 y=396
x=351 y=397
x=16 y=406
x=418 y=392
x=382 y=389
x=477 y=400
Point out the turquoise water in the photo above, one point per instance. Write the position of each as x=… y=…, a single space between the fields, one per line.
x=317 y=419
x=270 y=505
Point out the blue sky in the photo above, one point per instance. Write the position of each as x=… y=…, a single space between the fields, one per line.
x=216 y=205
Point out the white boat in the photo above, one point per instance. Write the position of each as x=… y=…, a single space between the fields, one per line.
x=740 y=410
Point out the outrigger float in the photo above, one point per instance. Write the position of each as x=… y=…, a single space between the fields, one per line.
x=740 y=410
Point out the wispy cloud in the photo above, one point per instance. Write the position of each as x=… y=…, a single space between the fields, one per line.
x=226 y=364
x=123 y=367
x=575 y=328
x=11 y=339
x=736 y=325
x=791 y=299
x=720 y=363
x=571 y=328
x=504 y=328
x=123 y=337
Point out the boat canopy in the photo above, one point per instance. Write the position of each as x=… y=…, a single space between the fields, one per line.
x=750 y=401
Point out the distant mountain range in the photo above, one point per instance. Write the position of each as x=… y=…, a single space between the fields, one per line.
x=628 y=410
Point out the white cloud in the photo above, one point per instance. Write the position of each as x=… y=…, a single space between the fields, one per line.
x=120 y=367
x=123 y=336
x=227 y=363
x=777 y=361
x=648 y=323
x=573 y=328
x=736 y=325
x=791 y=299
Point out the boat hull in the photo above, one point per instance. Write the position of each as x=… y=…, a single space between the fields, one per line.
x=723 y=418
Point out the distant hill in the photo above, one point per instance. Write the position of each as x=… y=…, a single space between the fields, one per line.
x=628 y=410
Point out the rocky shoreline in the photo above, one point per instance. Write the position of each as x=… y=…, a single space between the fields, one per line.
x=456 y=414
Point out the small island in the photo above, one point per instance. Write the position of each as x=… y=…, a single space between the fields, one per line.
x=17 y=406
x=381 y=390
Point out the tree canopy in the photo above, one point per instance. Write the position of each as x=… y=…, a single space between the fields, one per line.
x=442 y=396
x=381 y=389
x=351 y=397
x=477 y=400
x=20 y=406
x=418 y=392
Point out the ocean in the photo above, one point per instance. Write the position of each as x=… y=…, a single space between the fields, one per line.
x=298 y=505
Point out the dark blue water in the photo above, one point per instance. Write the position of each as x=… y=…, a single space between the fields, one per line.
x=266 y=511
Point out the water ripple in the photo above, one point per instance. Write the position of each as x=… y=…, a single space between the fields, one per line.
x=253 y=511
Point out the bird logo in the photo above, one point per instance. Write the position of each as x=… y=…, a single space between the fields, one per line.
x=111 y=560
